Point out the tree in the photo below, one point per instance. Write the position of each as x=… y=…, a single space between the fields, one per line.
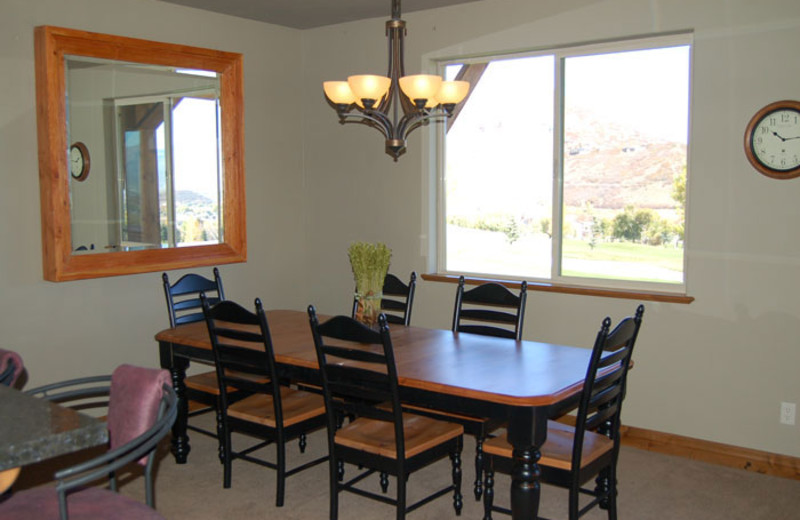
x=600 y=227
x=512 y=230
x=624 y=226
x=544 y=227
x=679 y=196
x=631 y=223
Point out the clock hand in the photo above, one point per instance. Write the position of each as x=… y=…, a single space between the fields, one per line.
x=778 y=136
x=790 y=138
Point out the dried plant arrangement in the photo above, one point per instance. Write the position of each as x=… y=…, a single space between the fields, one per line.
x=370 y=263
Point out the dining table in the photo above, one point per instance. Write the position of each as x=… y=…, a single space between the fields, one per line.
x=34 y=429
x=522 y=382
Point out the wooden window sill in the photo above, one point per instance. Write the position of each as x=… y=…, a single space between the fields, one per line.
x=570 y=289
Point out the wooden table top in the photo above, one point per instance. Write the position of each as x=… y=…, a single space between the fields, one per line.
x=498 y=370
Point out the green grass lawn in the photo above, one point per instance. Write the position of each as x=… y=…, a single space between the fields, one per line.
x=623 y=261
x=478 y=251
x=666 y=257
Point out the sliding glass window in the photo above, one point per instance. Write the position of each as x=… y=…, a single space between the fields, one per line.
x=570 y=166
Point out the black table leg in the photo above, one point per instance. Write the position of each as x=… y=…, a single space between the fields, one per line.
x=527 y=432
x=177 y=368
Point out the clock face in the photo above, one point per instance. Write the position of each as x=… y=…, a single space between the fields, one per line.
x=79 y=161
x=776 y=140
x=75 y=162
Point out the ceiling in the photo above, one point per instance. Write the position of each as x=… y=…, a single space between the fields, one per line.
x=306 y=14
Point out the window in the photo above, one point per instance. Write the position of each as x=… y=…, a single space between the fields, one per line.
x=168 y=189
x=569 y=166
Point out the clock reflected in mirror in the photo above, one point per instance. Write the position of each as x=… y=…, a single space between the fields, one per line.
x=772 y=140
x=79 y=161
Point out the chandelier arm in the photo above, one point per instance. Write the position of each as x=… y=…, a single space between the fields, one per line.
x=382 y=124
x=415 y=125
x=411 y=122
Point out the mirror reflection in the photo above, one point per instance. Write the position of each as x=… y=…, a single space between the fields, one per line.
x=120 y=194
x=151 y=139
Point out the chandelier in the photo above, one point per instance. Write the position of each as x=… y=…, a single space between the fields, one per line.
x=395 y=104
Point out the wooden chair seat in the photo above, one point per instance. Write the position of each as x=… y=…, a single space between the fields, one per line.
x=297 y=406
x=207 y=381
x=420 y=434
x=557 y=449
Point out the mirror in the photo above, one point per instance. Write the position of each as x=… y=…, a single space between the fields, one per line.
x=125 y=187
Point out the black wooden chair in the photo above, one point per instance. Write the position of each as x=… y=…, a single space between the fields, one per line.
x=571 y=456
x=183 y=306
x=271 y=411
x=490 y=309
x=142 y=406
x=475 y=309
x=397 y=300
x=360 y=380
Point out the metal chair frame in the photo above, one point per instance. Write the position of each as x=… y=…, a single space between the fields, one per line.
x=86 y=392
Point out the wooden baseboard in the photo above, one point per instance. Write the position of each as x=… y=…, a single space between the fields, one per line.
x=707 y=451
x=712 y=452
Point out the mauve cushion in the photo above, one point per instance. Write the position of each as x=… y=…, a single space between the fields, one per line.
x=133 y=404
x=87 y=504
x=5 y=357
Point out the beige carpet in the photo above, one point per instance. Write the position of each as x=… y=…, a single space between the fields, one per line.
x=652 y=486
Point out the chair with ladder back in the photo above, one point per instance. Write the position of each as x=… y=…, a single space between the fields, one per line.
x=271 y=411
x=571 y=456
x=359 y=379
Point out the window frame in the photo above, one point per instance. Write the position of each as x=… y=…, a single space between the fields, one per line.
x=168 y=101
x=556 y=279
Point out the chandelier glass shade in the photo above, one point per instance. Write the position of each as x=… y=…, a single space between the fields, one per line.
x=395 y=104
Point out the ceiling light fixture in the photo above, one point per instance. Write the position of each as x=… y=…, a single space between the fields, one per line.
x=377 y=101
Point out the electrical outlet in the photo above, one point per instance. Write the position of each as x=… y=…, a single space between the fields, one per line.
x=787 y=413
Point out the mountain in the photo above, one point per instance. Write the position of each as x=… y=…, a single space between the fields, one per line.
x=612 y=165
x=189 y=197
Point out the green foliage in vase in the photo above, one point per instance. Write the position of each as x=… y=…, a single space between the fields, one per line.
x=370 y=263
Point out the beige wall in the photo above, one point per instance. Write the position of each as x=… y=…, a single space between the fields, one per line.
x=88 y=327
x=716 y=369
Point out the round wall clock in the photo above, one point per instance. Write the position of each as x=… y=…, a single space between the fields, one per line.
x=79 y=161
x=772 y=140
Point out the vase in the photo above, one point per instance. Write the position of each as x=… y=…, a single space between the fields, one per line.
x=369 y=308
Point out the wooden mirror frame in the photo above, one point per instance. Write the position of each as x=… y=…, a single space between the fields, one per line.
x=52 y=44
